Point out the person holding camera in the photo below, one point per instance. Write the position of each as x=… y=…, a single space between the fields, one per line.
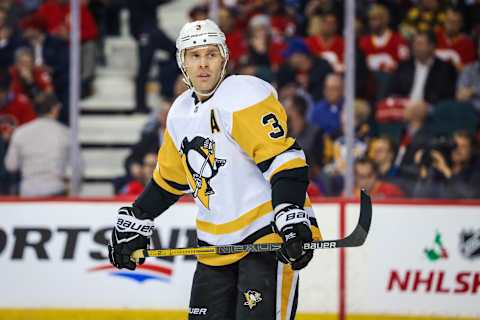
x=449 y=169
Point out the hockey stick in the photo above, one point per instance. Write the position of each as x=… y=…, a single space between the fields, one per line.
x=354 y=239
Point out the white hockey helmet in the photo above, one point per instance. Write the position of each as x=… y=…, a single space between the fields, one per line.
x=200 y=33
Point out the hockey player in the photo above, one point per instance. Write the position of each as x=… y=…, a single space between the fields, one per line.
x=227 y=144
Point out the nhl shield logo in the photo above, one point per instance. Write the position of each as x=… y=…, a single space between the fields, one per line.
x=470 y=244
x=198 y=158
x=252 y=298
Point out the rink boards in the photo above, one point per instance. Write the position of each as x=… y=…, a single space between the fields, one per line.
x=421 y=260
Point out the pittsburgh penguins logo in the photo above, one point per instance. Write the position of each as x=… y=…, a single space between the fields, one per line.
x=252 y=298
x=198 y=157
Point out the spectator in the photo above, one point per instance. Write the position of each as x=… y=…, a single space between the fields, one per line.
x=362 y=134
x=427 y=15
x=382 y=152
x=301 y=68
x=383 y=48
x=10 y=41
x=424 y=77
x=135 y=187
x=325 y=114
x=263 y=53
x=323 y=40
x=452 y=45
x=52 y=54
x=235 y=38
x=366 y=176
x=259 y=46
x=449 y=174
x=308 y=137
x=468 y=85
x=40 y=151
x=333 y=172
x=56 y=14
x=465 y=167
x=15 y=108
x=417 y=134
x=143 y=21
x=283 y=20
x=15 y=10
x=27 y=78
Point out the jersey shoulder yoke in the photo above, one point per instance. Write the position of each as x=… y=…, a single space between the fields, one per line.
x=240 y=91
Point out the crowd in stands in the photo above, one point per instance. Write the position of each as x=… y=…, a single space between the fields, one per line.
x=417 y=89
x=34 y=92
x=417 y=81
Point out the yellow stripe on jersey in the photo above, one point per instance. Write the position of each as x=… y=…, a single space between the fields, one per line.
x=292 y=164
x=169 y=167
x=316 y=234
x=261 y=129
x=237 y=224
x=287 y=283
x=307 y=203
x=242 y=221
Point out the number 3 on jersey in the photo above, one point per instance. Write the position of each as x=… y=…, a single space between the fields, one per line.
x=271 y=119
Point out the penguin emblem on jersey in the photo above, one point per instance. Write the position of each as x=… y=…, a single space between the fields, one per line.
x=198 y=157
x=252 y=298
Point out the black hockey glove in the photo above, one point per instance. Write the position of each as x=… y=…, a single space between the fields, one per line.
x=130 y=233
x=292 y=224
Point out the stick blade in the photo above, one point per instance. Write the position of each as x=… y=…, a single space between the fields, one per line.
x=359 y=235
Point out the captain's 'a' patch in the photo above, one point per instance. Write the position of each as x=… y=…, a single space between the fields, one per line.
x=201 y=165
x=213 y=122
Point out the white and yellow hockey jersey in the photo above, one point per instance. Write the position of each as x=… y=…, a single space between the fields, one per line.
x=212 y=149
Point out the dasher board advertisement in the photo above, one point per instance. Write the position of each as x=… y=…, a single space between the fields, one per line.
x=53 y=255
x=418 y=260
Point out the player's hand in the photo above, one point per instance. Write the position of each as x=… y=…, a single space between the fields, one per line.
x=130 y=233
x=292 y=224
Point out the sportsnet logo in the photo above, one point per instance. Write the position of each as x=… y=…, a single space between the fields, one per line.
x=142 y=273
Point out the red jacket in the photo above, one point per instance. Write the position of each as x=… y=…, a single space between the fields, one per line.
x=332 y=52
x=460 y=51
x=57 y=16
x=18 y=108
x=237 y=45
x=41 y=78
x=384 y=53
x=133 y=188
x=383 y=190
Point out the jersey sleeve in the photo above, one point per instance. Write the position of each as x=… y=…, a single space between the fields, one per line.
x=261 y=131
x=169 y=173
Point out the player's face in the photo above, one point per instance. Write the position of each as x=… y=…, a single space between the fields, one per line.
x=204 y=67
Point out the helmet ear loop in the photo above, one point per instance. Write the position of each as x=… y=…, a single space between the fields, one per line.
x=180 y=61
